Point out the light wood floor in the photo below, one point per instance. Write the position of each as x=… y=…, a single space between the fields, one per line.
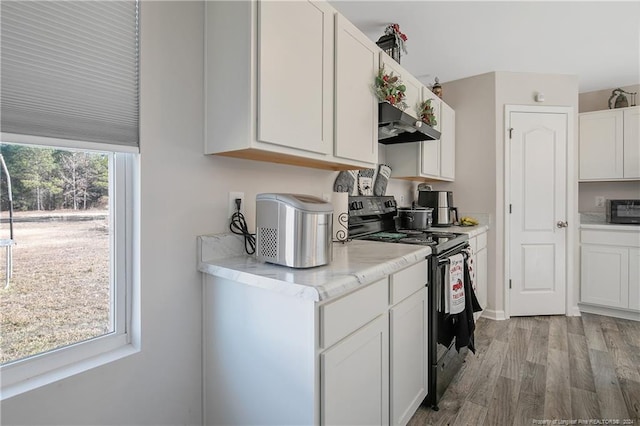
x=545 y=368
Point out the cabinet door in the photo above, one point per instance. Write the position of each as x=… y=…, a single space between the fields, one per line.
x=634 y=279
x=481 y=277
x=430 y=151
x=414 y=87
x=447 y=142
x=604 y=278
x=355 y=377
x=601 y=145
x=408 y=324
x=295 y=75
x=356 y=107
x=632 y=143
x=430 y=158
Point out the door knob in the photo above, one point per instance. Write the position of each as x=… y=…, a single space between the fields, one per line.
x=561 y=224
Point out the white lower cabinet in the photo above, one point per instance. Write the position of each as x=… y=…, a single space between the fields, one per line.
x=409 y=365
x=481 y=276
x=634 y=279
x=272 y=358
x=610 y=272
x=605 y=275
x=479 y=245
x=355 y=377
x=378 y=373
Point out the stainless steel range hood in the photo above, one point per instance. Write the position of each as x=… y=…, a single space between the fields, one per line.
x=396 y=126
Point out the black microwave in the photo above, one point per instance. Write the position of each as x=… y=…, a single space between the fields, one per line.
x=623 y=211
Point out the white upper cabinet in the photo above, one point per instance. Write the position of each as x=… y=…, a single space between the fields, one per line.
x=427 y=160
x=631 y=138
x=270 y=86
x=295 y=75
x=610 y=145
x=356 y=106
x=430 y=151
x=447 y=142
x=413 y=94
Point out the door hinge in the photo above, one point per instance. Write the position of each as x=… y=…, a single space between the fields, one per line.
x=510 y=208
x=510 y=132
x=509 y=284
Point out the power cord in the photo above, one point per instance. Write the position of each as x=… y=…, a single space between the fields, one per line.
x=239 y=226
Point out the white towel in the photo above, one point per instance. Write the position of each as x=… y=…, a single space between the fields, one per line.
x=456 y=284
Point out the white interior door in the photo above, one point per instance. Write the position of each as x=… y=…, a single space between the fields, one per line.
x=538 y=212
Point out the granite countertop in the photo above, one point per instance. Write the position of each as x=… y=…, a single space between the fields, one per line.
x=355 y=264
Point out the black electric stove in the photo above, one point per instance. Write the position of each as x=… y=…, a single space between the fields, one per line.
x=373 y=218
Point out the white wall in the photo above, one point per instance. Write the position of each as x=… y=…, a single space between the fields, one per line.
x=599 y=99
x=479 y=102
x=520 y=89
x=476 y=173
x=596 y=101
x=161 y=384
x=183 y=194
x=609 y=190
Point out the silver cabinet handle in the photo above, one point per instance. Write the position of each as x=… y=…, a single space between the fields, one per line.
x=562 y=224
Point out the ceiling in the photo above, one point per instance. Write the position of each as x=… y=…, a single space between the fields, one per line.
x=598 y=41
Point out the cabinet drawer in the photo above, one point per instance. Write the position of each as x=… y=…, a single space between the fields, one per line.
x=406 y=282
x=481 y=241
x=610 y=238
x=344 y=316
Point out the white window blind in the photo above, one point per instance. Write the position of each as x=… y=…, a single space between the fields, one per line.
x=69 y=70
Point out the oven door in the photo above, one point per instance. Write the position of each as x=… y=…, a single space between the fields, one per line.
x=444 y=360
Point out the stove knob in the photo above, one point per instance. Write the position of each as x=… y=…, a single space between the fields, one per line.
x=390 y=203
x=356 y=205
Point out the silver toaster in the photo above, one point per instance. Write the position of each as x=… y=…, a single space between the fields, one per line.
x=293 y=230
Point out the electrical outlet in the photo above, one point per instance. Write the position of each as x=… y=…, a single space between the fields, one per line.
x=599 y=201
x=402 y=200
x=232 y=203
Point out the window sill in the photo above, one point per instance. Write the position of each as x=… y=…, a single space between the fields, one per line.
x=16 y=378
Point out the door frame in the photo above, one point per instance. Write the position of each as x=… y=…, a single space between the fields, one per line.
x=571 y=243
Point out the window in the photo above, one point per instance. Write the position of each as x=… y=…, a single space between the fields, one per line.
x=69 y=132
x=69 y=295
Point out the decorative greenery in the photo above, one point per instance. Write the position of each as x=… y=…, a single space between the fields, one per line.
x=426 y=114
x=394 y=29
x=389 y=88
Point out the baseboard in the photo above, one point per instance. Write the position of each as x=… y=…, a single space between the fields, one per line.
x=574 y=311
x=610 y=312
x=494 y=315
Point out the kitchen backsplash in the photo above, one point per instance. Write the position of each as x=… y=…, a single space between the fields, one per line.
x=588 y=191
